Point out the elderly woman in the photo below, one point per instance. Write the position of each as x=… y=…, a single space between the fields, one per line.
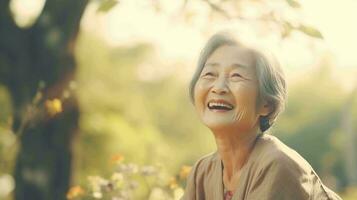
x=238 y=92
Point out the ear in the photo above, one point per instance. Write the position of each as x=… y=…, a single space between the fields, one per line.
x=265 y=108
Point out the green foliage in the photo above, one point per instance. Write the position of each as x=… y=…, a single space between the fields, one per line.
x=311 y=31
x=350 y=194
x=7 y=138
x=106 y=5
x=5 y=114
x=287 y=28
x=146 y=121
x=131 y=181
x=293 y=3
x=152 y=122
x=311 y=123
x=7 y=145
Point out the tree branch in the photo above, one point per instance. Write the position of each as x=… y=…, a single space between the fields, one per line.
x=218 y=9
x=4 y=25
x=63 y=16
x=4 y=11
x=10 y=35
x=55 y=32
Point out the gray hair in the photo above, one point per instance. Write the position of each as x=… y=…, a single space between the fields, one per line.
x=271 y=79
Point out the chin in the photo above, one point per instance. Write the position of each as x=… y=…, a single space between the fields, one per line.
x=217 y=125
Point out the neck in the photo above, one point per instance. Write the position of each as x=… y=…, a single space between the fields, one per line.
x=234 y=149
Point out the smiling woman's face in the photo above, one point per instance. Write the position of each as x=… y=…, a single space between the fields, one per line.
x=225 y=94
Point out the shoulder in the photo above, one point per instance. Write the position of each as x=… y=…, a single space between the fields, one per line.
x=279 y=172
x=282 y=165
x=274 y=153
x=203 y=168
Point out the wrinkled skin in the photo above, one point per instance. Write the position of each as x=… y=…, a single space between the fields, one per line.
x=229 y=75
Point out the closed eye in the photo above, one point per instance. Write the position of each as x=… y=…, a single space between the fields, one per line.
x=208 y=74
x=236 y=75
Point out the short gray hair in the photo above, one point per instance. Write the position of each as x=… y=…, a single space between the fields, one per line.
x=271 y=79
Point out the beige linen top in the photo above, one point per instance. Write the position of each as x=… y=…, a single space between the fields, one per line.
x=273 y=171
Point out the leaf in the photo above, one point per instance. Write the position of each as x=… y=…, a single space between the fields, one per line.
x=311 y=31
x=293 y=3
x=106 y=5
x=287 y=28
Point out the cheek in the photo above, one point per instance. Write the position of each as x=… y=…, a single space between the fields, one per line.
x=246 y=100
x=200 y=93
x=241 y=112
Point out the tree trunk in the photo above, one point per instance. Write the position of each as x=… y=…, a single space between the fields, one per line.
x=42 y=53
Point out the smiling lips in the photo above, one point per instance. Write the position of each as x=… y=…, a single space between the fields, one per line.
x=219 y=105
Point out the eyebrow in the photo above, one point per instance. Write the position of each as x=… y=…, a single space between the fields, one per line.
x=235 y=65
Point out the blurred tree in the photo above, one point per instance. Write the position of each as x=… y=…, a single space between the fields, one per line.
x=42 y=53
x=43 y=56
x=311 y=125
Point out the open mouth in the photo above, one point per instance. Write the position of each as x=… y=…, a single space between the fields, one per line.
x=220 y=106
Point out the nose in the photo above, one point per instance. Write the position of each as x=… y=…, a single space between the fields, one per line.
x=220 y=86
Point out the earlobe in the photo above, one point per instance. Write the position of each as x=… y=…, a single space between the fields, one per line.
x=266 y=109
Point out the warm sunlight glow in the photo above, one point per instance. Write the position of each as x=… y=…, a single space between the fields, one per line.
x=337 y=21
x=179 y=41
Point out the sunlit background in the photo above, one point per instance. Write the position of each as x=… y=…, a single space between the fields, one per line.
x=135 y=59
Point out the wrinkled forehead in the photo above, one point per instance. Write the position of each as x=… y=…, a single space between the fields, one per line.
x=234 y=56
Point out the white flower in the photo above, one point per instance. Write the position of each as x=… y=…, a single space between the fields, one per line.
x=148 y=170
x=128 y=169
x=7 y=184
x=178 y=193
x=97 y=195
x=116 y=177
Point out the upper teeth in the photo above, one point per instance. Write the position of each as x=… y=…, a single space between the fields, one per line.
x=220 y=104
